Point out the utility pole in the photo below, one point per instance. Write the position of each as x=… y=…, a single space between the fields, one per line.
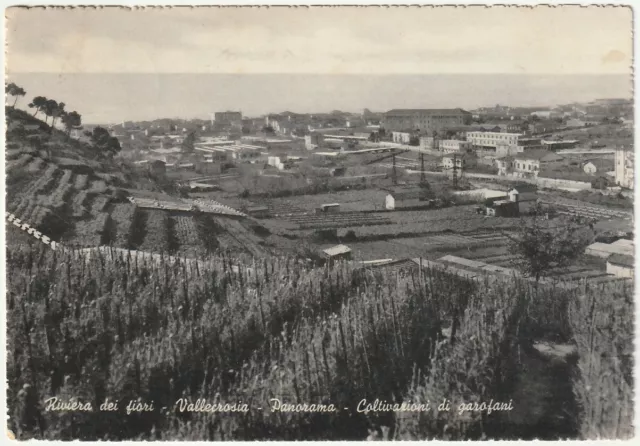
x=455 y=171
x=394 y=178
x=423 y=180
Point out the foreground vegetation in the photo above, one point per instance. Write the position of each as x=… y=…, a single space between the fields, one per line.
x=244 y=332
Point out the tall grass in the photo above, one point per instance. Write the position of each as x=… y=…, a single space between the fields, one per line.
x=603 y=328
x=125 y=327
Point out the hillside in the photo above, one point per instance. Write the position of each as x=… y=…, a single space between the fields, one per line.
x=63 y=188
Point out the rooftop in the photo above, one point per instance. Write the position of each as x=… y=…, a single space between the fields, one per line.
x=621 y=260
x=429 y=111
x=537 y=155
x=337 y=250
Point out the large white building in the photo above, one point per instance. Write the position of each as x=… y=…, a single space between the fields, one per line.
x=493 y=139
x=454 y=146
x=624 y=160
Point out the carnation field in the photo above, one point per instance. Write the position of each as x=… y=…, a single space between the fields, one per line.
x=233 y=330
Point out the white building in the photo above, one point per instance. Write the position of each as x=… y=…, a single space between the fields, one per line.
x=454 y=145
x=493 y=139
x=529 y=164
x=624 y=160
x=525 y=195
x=401 y=137
x=620 y=265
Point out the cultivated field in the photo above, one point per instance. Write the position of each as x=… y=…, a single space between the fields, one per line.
x=152 y=331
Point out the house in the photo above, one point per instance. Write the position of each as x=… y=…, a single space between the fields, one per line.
x=525 y=195
x=454 y=146
x=463 y=161
x=330 y=207
x=504 y=165
x=429 y=143
x=559 y=145
x=604 y=250
x=337 y=171
x=517 y=127
x=313 y=140
x=402 y=198
x=529 y=163
x=338 y=252
x=403 y=137
x=575 y=123
x=541 y=127
x=620 y=265
x=258 y=211
x=503 y=208
x=598 y=165
x=589 y=167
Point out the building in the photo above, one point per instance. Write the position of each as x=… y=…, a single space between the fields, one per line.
x=589 y=168
x=401 y=137
x=494 y=143
x=559 y=145
x=546 y=114
x=228 y=119
x=329 y=208
x=425 y=120
x=620 y=265
x=405 y=197
x=454 y=146
x=313 y=140
x=504 y=165
x=338 y=252
x=258 y=211
x=429 y=143
x=461 y=161
x=604 y=250
x=575 y=123
x=541 y=127
x=503 y=208
x=602 y=166
x=624 y=164
x=529 y=163
x=525 y=195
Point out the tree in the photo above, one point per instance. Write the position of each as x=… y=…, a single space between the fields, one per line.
x=267 y=129
x=105 y=144
x=15 y=91
x=49 y=109
x=39 y=103
x=188 y=143
x=540 y=245
x=57 y=112
x=71 y=120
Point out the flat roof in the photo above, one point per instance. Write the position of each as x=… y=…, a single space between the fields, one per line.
x=338 y=249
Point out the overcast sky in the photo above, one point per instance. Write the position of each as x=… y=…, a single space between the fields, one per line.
x=547 y=40
x=114 y=63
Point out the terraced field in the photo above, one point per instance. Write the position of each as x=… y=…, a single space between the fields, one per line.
x=84 y=210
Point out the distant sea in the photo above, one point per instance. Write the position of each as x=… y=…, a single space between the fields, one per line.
x=112 y=98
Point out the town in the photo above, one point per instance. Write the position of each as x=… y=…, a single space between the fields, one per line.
x=386 y=189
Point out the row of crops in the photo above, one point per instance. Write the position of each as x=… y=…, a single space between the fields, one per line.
x=338 y=220
x=246 y=333
x=589 y=211
x=464 y=225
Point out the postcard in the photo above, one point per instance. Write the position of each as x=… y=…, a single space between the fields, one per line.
x=319 y=223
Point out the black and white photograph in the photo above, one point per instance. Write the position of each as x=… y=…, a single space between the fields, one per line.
x=319 y=223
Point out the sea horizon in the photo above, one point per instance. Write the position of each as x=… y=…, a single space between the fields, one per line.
x=115 y=97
